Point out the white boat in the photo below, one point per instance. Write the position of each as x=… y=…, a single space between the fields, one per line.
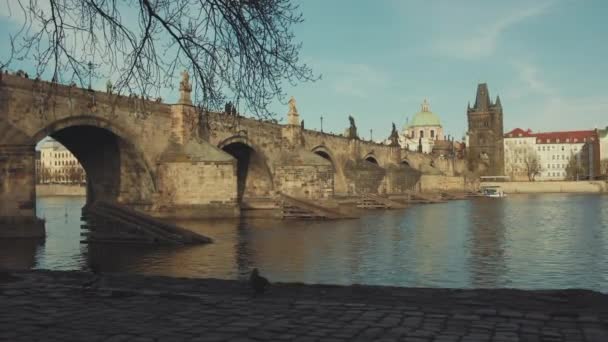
x=492 y=191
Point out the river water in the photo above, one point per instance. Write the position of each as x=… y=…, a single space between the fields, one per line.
x=523 y=241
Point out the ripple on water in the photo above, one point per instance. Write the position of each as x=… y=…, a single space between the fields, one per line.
x=522 y=241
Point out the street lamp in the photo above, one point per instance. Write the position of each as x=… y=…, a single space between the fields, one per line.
x=321 y=123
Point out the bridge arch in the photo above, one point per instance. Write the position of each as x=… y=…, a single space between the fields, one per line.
x=115 y=167
x=254 y=177
x=325 y=153
x=371 y=157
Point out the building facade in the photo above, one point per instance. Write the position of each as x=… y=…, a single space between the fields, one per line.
x=602 y=135
x=519 y=148
x=56 y=164
x=485 y=132
x=553 y=151
x=421 y=134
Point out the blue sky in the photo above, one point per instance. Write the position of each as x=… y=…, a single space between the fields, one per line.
x=548 y=61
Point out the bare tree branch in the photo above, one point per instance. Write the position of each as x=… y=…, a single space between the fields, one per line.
x=241 y=50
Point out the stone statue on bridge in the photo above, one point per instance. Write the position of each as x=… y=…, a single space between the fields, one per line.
x=394 y=137
x=352 y=130
x=185 y=89
x=293 y=117
x=292 y=106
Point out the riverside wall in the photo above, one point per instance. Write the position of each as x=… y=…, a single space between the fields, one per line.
x=551 y=187
x=435 y=183
x=46 y=190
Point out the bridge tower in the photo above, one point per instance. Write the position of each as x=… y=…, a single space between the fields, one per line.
x=486 y=131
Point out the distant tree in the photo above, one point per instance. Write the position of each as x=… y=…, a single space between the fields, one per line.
x=574 y=169
x=243 y=49
x=532 y=163
x=74 y=175
x=604 y=167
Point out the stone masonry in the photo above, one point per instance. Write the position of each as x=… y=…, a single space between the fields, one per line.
x=169 y=160
x=54 y=306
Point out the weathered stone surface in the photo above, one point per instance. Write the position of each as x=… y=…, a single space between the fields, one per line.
x=52 y=306
x=172 y=160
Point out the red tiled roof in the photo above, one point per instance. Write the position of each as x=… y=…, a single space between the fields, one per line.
x=516 y=133
x=564 y=137
x=552 y=137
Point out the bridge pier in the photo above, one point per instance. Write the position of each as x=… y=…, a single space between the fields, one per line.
x=18 y=193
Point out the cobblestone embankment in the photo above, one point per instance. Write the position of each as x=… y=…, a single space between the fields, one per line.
x=53 y=306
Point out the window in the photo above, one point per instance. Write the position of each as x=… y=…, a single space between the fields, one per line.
x=421 y=133
x=432 y=133
x=562 y=148
x=553 y=157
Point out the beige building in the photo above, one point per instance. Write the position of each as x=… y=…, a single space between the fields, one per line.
x=519 y=146
x=423 y=131
x=56 y=164
x=553 y=150
x=602 y=135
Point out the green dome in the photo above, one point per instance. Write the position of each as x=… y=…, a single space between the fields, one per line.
x=425 y=117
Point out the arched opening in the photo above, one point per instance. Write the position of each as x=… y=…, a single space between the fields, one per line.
x=253 y=176
x=371 y=159
x=111 y=167
x=405 y=162
x=80 y=163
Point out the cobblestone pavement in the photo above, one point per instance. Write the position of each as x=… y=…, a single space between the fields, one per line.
x=52 y=306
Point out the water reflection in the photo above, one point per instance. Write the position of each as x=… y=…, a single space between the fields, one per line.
x=486 y=243
x=19 y=254
x=537 y=241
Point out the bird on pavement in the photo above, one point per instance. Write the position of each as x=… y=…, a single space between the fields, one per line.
x=257 y=282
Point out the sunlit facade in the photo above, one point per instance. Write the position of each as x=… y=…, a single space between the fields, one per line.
x=553 y=150
x=57 y=164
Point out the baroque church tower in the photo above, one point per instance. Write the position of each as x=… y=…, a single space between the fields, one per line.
x=486 y=131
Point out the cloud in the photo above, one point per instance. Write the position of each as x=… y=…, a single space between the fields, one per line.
x=548 y=109
x=528 y=82
x=484 y=40
x=358 y=80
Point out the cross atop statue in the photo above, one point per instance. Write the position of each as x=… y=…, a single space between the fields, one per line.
x=185 y=88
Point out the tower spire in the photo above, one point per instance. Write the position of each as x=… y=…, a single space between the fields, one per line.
x=497 y=103
x=482 y=100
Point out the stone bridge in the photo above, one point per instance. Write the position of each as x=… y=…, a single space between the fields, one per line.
x=170 y=161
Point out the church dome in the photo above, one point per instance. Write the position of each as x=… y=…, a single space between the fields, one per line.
x=425 y=117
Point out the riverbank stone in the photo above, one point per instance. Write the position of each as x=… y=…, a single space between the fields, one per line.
x=53 y=306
